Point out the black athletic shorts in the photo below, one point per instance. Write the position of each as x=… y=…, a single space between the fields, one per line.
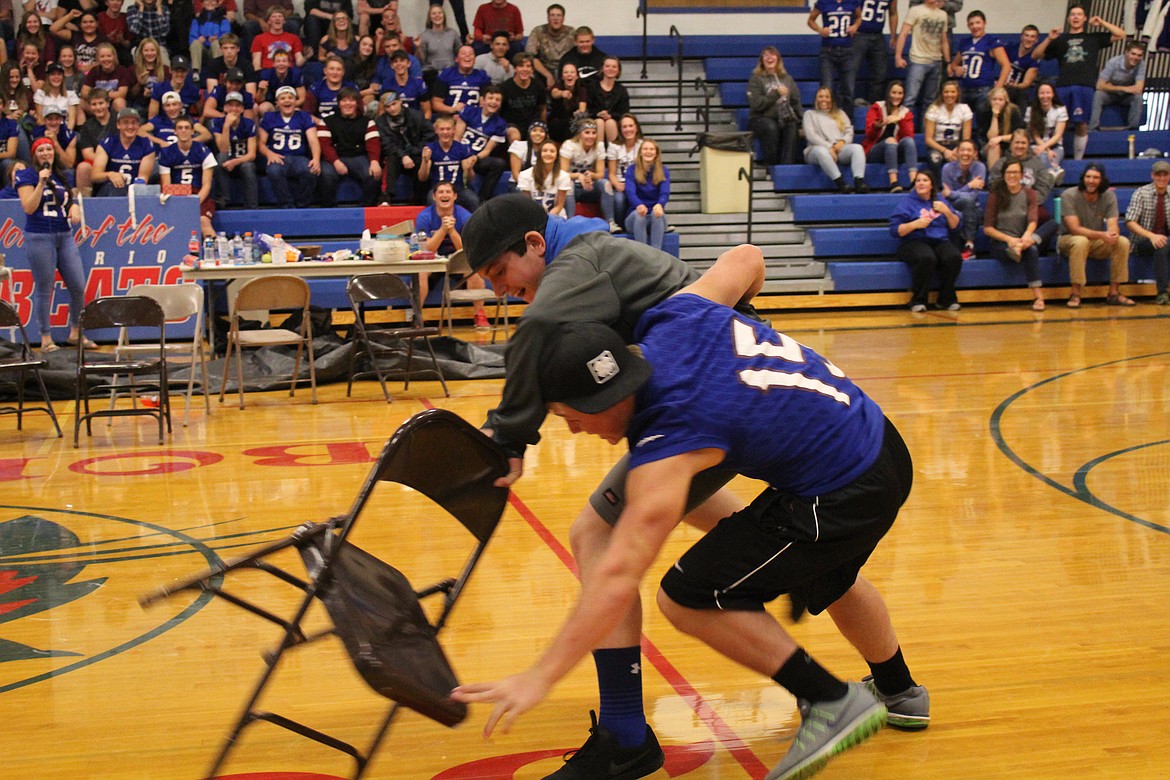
x=782 y=543
x=609 y=499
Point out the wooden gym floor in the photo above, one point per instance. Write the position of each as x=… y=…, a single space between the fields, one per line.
x=1026 y=575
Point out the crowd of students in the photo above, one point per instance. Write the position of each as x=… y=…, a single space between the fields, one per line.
x=395 y=113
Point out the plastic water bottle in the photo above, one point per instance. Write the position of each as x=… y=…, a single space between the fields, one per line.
x=412 y=244
x=367 y=241
x=193 y=244
x=249 y=249
x=223 y=248
x=209 y=251
x=238 y=250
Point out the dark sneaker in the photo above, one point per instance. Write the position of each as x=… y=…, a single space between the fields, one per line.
x=1163 y=299
x=830 y=728
x=908 y=710
x=601 y=758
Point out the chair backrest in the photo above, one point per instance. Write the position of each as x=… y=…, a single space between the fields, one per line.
x=278 y=292
x=10 y=318
x=179 y=302
x=122 y=311
x=459 y=264
x=377 y=287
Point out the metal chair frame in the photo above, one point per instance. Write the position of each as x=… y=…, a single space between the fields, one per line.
x=458 y=264
x=22 y=364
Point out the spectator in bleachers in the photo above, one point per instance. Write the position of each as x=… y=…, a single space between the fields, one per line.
x=74 y=78
x=275 y=38
x=1037 y=175
x=871 y=47
x=458 y=86
x=1121 y=81
x=525 y=99
x=9 y=192
x=350 y=148
x=402 y=134
x=524 y=152
x=9 y=142
x=64 y=140
x=34 y=31
x=1046 y=119
x=207 y=28
x=889 y=134
x=339 y=39
x=288 y=141
x=160 y=129
x=180 y=81
x=583 y=156
x=391 y=43
x=106 y=73
x=840 y=20
x=17 y=102
x=962 y=182
x=113 y=24
x=123 y=157
x=947 y=123
x=321 y=99
x=620 y=155
x=493 y=16
x=397 y=79
x=975 y=60
x=361 y=71
x=1077 y=53
x=258 y=20
x=447 y=160
x=1148 y=220
x=495 y=62
x=100 y=125
x=549 y=42
x=84 y=36
x=545 y=181
x=281 y=74
x=484 y=131
x=438 y=44
x=233 y=81
x=148 y=19
x=608 y=99
x=926 y=24
x=1025 y=66
x=53 y=94
x=235 y=138
x=1089 y=228
x=321 y=14
x=828 y=136
x=1012 y=222
x=774 y=111
x=997 y=123
x=924 y=222
x=443 y=222
x=392 y=25
x=647 y=191
x=150 y=69
x=369 y=14
x=230 y=58
x=6 y=20
x=587 y=57
x=189 y=162
x=567 y=102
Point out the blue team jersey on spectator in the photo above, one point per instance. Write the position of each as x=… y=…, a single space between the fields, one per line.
x=123 y=159
x=778 y=411
x=65 y=136
x=163 y=127
x=186 y=167
x=448 y=165
x=291 y=79
x=189 y=94
x=327 y=97
x=50 y=216
x=220 y=95
x=382 y=68
x=978 y=61
x=837 y=17
x=8 y=129
x=8 y=193
x=429 y=222
x=874 y=14
x=414 y=92
x=288 y=135
x=1020 y=67
x=453 y=87
x=243 y=130
x=480 y=131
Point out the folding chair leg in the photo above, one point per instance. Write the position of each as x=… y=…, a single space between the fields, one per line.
x=409 y=357
x=356 y=342
x=439 y=371
x=227 y=366
x=312 y=365
x=240 y=371
x=48 y=403
x=292 y=390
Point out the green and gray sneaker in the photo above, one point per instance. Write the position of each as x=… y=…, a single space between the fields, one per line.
x=829 y=728
x=909 y=710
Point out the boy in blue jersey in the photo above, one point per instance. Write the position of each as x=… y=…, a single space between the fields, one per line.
x=396 y=78
x=445 y=159
x=458 y=86
x=235 y=138
x=288 y=141
x=870 y=45
x=281 y=74
x=187 y=162
x=482 y=129
x=64 y=140
x=322 y=95
x=1025 y=66
x=233 y=81
x=975 y=63
x=442 y=222
x=840 y=20
x=122 y=158
x=181 y=83
x=712 y=388
x=161 y=127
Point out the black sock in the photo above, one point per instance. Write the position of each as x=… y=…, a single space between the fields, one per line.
x=892 y=676
x=806 y=679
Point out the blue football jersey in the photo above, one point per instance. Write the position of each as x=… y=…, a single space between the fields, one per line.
x=1020 y=67
x=837 y=17
x=874 y=14
x=978 y=61
x=220 y=95
x=453 y=87
x=162 y=126
x=186 y=167
x=414 y=92
x=189 y=94
x=65 y=136
x=448 y=165
x=243 y=130
x=480 y=130
x=327 y=97
x=123 y=159
x=780 y=412
x=51 y=216
x=292 y=78
x=429 y=222
x=288 y=135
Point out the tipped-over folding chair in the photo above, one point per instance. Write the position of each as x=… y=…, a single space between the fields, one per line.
x=459 y=293
x=384 y=289
x=20 y=364
x=123 y=311
x=373 y=608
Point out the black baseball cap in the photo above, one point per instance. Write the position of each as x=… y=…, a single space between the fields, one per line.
x=586 y=365
x=179 y=62
x=501 y=223
x=233 y=74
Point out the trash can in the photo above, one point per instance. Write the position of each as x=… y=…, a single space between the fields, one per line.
x=721 y=157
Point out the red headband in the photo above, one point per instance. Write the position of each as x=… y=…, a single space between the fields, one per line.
x=41 y=142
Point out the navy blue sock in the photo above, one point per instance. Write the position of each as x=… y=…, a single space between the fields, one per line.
x=619 y=679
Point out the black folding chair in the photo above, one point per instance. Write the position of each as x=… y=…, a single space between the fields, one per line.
x=23 y=363
x=373 y=609
x=385 y=289
x=123 y=311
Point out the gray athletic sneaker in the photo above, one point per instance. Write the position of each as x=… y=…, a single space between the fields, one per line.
x=909 y=710
x=829 y=728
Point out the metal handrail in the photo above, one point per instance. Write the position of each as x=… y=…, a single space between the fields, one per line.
x=645 y=17
x=746 y=173
x=704 y=113
x=678 y=61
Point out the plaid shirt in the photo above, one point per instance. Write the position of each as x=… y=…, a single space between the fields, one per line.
x=149 y=24
x=1142 y=204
